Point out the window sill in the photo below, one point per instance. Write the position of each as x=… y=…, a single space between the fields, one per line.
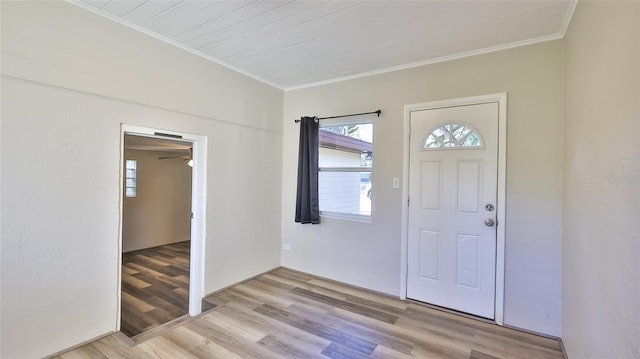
x=346 y=216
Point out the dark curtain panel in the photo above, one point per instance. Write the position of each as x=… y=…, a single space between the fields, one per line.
x=307 y=208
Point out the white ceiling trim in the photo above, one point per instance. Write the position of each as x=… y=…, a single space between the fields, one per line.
x=431 y=61
x=568 y=17
x=170 y=42
x=559 y=35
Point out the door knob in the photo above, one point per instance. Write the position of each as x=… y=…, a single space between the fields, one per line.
x=489 y=222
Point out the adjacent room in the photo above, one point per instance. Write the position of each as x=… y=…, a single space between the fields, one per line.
x=325 y=179
x=156 y=232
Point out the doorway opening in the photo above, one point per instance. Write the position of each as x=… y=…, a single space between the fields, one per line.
x=156 y=233
x=162 y=228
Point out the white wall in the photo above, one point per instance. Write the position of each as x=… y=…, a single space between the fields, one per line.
x=368 y=255
x=69 y=79
x=601 y=243
x=160 y=213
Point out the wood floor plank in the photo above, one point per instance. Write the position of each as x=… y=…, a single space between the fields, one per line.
x=283 y=272
x=86 y=352
x=198 y=345
x=227 y=340
x=286 y=333
x=418 y=335
x=293 y=283
x=143 y=269
x=338 y=351
x=384 y=317
x=364 y=332
x=308 y=286
x=154 y=289
x=383 y=352
x=235 y=327
x=153 y=281
x=126 y=269
x=154 y=259
x=113 y=347
x=508 y=347
x=354 y=292
x=377 y=305
x=286 y=349
x=433 y=333
x=162 y=347
x=262 y=297
x=273 y=283
x=318 y=329
x=133 y=303
x=231 y=295
x=288 y=314
x=480 y=355
x=176 y=282
x=284 y=297
x=437 y=351
x=495 y=333
x=134 y=280
x=414 y=318
x=134 y=321
x=162 y=304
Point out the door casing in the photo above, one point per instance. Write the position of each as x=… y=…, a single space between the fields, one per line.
x=198 y=210
x=501 y=99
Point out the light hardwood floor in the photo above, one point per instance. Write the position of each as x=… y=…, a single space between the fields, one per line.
x=155 y=287
x=286 y=314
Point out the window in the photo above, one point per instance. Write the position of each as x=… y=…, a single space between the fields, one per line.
x=452 y=135
x=131 y=167
x=345 y=168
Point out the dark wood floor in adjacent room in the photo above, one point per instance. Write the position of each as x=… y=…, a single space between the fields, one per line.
x=286 y=314
x=155 y=287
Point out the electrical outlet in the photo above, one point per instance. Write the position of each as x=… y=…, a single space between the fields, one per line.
x=286 y=247
x=396 y=183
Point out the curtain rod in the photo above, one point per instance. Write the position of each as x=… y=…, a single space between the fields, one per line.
x=378 y=112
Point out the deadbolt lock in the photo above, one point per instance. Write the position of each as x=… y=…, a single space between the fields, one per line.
x=489 y=207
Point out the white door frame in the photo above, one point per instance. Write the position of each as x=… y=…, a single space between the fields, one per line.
x=198 y=209
x=501 y=99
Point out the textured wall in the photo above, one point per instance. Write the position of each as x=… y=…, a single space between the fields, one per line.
x=70 y=78
x=368 y=255
x=601 y=242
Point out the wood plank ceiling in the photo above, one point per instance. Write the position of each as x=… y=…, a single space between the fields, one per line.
x=291 y=44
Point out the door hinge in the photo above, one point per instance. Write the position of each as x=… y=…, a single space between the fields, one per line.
x=191 y=215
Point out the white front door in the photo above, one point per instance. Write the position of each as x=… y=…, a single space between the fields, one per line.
x=453 y=172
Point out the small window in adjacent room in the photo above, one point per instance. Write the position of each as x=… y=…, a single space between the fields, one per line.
x=345 y=168
x=131 y=167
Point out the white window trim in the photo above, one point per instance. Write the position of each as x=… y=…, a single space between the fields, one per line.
x=346 y=216
x=345 y=169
